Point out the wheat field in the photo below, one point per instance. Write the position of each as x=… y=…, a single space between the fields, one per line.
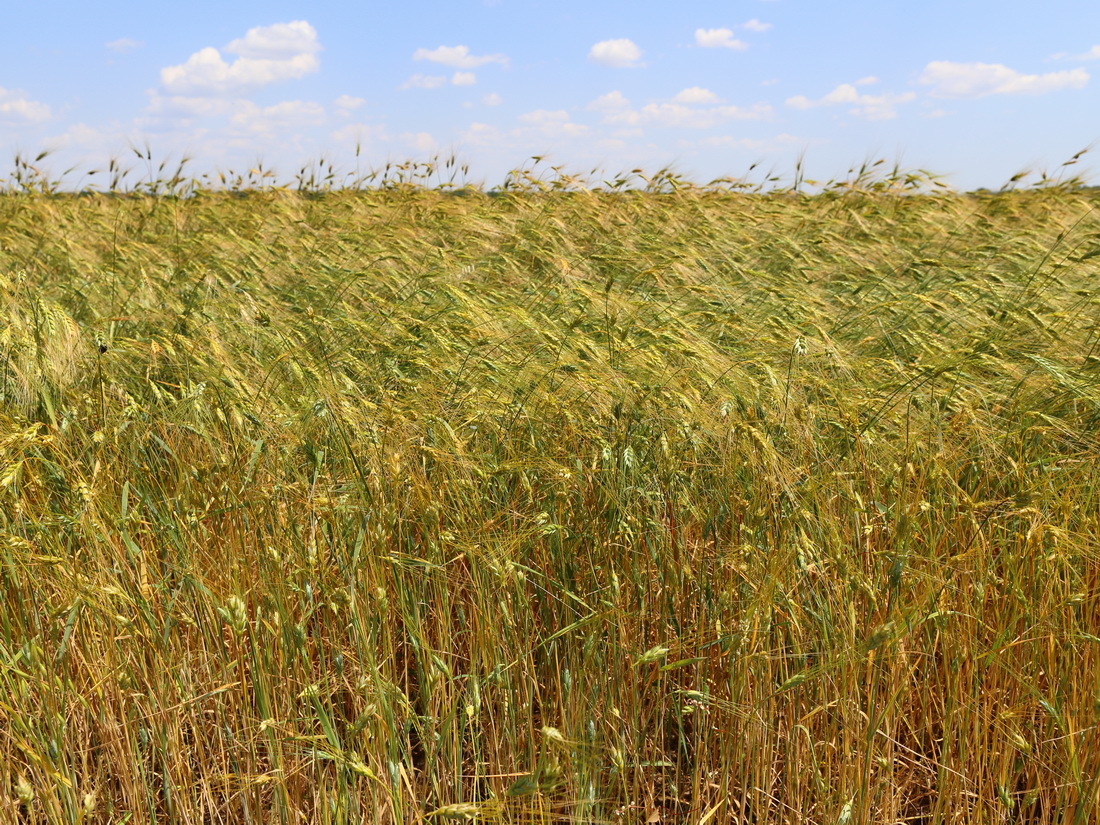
x=550 y=504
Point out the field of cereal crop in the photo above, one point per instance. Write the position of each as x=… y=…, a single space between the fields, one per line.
x=550 y=505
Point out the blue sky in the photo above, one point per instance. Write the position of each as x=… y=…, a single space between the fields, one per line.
x=971 y=89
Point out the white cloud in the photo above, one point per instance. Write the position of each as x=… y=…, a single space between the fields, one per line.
x=538 y=129
x=718 y=39
x=870 y=107
x=676 y=115
x=435 y=81
x=266 y=54
x=545 y=116
x=424 y=81
x=123 y=45
x=75 y=134
x=619 y=54
x=482 y=134
x=90 y=147
x=755 y=25
x=290 y=114
x=183 y=106
x=83 y=136
x=16 y=106
x=1091 y=54
x=359 y=133
x=973 y=80
x=458 y=57
x=612 y=101
x=554 y=123
x=780 y=142
x=282 y=41
x=686 y=110
x=615 y=107
x=696 y=94
x=346 y=103
x=492 y=99
x=565 y=129
x=624 y=117
x=421 y=142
